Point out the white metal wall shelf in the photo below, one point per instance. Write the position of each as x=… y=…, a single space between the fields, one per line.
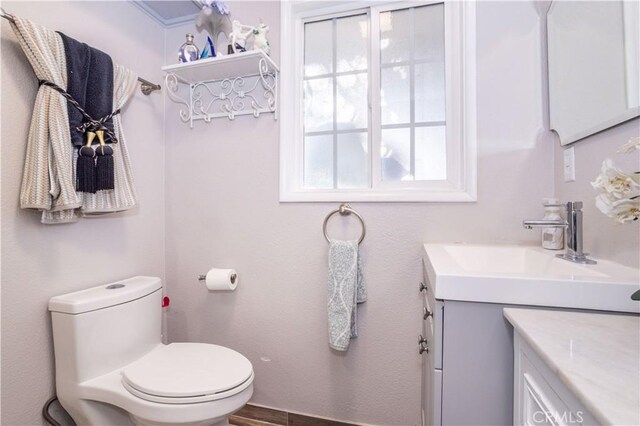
x=225 y=86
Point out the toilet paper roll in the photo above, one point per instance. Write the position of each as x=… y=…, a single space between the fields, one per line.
x=221 y=279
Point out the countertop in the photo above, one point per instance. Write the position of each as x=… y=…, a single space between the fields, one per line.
x=527 y=275
x=597 y=356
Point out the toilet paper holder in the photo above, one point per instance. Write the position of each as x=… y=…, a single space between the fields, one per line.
x=204 y=278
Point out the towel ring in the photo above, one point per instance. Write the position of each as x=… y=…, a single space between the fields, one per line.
x=344 y=210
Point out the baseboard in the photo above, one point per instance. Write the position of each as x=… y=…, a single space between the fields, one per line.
x=258 y=415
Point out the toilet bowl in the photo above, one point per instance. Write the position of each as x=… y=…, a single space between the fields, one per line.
x=112 y=368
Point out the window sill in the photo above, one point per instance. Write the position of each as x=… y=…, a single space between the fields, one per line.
x=378 y=196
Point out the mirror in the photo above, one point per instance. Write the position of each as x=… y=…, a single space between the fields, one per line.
x=594 y=70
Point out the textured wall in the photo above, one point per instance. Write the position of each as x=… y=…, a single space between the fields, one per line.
x=602 y=236
x=40 y=261
x=223 y=210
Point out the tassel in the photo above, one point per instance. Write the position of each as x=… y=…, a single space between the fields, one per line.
x=104 y=168
x=85 y=167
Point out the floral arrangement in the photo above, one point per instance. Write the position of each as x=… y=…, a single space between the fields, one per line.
x=619 y=191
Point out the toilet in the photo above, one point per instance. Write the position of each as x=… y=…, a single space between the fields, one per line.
x=112 y=368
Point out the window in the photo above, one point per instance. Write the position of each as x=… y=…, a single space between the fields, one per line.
x=378 y=102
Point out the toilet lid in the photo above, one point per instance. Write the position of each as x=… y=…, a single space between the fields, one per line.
x=182 y=370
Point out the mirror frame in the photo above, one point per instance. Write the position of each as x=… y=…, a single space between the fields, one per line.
x=564 y=136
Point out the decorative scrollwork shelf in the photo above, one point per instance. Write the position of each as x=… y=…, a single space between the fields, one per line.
x=225 y=86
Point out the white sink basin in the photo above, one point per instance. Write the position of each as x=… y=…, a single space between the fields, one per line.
x=528 y=275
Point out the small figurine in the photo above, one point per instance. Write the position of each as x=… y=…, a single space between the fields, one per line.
x=208 y=51
x=238 y=37
x=260 y=38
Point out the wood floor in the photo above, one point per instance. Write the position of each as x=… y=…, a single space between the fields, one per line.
x=251 y=415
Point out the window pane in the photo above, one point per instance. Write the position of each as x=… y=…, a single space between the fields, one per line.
x=352 y=34
x=394 y=95
x=429 y=33
x=431 y=153
x=318 y=104
x=429 y=92
x=318 y=161
x=352 y=160
x=395 y=40
x=318 y=48
x=396 y=154
x=352 y=105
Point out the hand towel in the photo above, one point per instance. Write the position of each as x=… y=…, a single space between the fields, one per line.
x=90 y=83
x=346 y=289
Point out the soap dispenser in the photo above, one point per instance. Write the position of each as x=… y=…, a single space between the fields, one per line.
x=552 y=238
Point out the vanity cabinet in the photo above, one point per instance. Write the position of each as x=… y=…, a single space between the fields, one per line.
x=540 y=398
x=430 y=347
x=468 y=369
x=471 y=371
x=575 y=368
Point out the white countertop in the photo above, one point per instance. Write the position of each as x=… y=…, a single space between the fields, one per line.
x=597 y=356
x=527 y=275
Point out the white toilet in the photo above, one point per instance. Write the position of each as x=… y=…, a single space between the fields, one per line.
x=112 y=369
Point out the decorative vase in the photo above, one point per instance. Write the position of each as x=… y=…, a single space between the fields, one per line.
x=188 y=51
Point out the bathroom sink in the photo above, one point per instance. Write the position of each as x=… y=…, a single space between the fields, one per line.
x=514 y=260
x=527 y=275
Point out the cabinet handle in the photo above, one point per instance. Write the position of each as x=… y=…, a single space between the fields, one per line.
x=422 y=345
x=426 y=313
x=422 y=349
x=422 y=287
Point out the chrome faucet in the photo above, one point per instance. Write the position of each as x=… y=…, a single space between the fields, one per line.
x=573 y=227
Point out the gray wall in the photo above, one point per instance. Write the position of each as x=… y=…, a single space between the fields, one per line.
x=223 y=210
x=219 y=205
x=602 y=236
x=40 y=261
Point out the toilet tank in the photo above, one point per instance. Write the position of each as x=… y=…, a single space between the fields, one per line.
x=101 y=329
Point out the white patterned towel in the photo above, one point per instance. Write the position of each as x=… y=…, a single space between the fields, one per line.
x=346 y=289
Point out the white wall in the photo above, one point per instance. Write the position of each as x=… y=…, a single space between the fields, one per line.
x=223 y=210
x=40 y=261
x=603 y=237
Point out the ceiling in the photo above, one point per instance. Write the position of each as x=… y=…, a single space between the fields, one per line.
x=172 y=12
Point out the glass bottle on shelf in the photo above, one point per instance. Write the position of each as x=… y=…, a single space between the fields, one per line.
x=188 y=51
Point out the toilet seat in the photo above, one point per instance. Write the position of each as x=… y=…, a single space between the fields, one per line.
x=183 y=373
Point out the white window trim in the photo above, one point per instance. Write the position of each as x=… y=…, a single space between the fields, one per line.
x=460 y=63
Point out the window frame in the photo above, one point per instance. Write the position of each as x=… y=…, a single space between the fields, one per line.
x=460 y=115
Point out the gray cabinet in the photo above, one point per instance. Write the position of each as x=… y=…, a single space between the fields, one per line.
x=430 y=348
x=468 y=370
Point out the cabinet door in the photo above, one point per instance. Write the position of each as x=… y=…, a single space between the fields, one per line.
x=431 y=391
x=540 y=398
x=427 y=389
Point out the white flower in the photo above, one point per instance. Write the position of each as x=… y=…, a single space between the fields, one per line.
x=622 y=211
x=614 y=181
x=633 y=144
